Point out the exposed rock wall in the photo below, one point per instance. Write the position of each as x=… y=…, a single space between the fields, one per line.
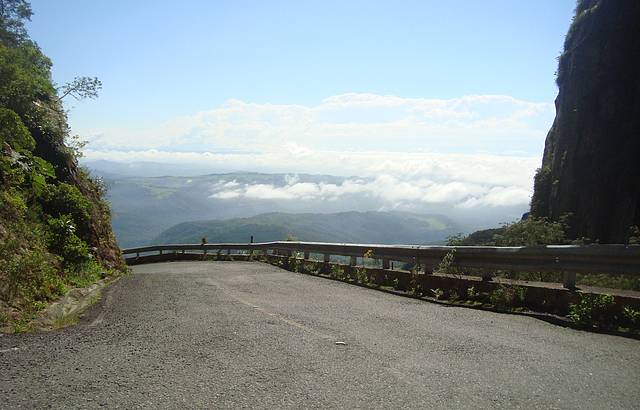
x=591 y=163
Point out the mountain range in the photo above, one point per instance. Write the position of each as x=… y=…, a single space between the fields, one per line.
x=145 y=203
x=347 y=227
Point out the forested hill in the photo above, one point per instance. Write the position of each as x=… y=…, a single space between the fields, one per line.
x=590 y=174
x=347 y=227
x=55 y=228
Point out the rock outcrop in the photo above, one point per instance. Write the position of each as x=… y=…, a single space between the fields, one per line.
x=591 y=165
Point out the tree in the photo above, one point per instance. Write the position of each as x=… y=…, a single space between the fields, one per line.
x=13 y=13
x=80 y=88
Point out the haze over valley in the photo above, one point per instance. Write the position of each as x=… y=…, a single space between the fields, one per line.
x=145 y=206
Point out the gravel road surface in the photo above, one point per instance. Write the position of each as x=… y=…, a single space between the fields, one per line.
x=249 y=335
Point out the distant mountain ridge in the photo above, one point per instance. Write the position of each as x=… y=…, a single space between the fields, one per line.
x=347 y=227
x=143 y=207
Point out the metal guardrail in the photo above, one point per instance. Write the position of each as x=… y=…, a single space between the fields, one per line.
x=565 y=259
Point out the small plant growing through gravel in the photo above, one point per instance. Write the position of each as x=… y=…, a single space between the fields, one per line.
x=437 y=293
x=415 y=287
x=631 y=317
x=361 y=275
x=336 y=272
x=312 y=267
x=472 y=293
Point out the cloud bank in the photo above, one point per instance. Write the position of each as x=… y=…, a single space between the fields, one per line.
x=384 y=189
x=471 y=151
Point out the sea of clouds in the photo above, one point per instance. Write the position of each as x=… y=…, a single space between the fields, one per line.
x=472 y=151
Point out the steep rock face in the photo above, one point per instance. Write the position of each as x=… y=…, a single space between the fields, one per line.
x=591 y=163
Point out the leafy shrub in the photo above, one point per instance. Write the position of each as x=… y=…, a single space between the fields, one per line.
x=633 y=237
x=337 y=272
x=65 y=199
x=507 y=297
x=361 y=275
x=472 y=293
x=531 y=232
x=14 y=132
x=631 y=317
x=86 y=274
x=593 y=310
x=28 y=275
x=63 y=241
x=437 y=293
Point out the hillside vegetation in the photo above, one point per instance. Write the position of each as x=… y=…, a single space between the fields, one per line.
x=55 y=228
x=347 y=227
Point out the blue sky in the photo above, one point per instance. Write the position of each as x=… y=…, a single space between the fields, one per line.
x=262 y=84
x=165 y=58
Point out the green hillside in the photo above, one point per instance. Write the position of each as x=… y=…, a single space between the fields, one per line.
x=55 y=227
x=348 y=227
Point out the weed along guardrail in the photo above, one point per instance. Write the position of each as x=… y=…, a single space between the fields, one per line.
x=473 y=275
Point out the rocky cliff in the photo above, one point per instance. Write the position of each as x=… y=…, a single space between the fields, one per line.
x=591 y=164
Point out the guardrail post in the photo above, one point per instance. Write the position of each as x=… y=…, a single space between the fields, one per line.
x=569 y=280
x=429 y=267
x=353 y=261
x=137 y=254
x=326 y=259
x=386 y=263
x=160 y=251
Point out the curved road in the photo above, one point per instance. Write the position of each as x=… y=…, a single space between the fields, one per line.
x=234 y=334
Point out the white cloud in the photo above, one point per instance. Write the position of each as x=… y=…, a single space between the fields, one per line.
x=456 y=151
x=385 y=189
x=353 y=122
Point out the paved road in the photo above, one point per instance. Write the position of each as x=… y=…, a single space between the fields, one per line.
x=233 y=334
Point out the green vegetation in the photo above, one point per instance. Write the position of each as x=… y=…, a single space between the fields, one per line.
x=601 y=312
x=508 y=297
x=593 y=310
x=527 y=232
x=446 y=264
x=535 y=232
x=531 y=232
x=633 y=237
x=354 y=227
x=54 y=225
